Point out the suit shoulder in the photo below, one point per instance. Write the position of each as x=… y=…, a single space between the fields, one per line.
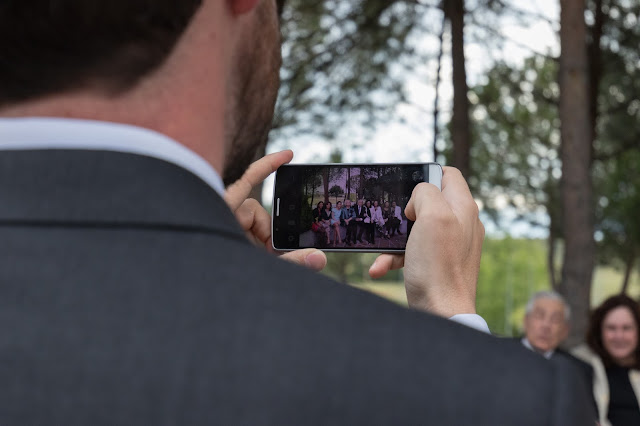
x=574 y=359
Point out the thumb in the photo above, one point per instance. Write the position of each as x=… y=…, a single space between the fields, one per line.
x=310 y=258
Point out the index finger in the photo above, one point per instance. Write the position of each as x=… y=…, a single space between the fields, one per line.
x=257 y=172
x=385 y=263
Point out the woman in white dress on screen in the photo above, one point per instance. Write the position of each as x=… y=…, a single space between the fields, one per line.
x=378 y=219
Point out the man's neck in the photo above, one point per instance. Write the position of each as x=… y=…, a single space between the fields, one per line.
x=135 y=108
x=73 y=134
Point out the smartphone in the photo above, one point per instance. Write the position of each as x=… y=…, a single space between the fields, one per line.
x=346 y=207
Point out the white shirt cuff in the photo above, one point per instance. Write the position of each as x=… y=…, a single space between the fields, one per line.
x=473 y=321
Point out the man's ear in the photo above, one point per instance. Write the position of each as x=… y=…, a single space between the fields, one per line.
x=240 y=7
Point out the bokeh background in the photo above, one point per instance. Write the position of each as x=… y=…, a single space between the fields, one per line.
x=538 y=104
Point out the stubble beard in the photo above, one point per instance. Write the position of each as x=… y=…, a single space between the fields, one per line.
x=252 y=93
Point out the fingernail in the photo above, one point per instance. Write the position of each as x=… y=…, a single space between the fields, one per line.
x=315 y=261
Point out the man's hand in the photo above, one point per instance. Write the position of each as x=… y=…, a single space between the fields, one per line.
x=442 y=257
x=255 y=220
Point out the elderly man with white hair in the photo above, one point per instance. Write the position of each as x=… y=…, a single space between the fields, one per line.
x=546 y=326
x=546 y=322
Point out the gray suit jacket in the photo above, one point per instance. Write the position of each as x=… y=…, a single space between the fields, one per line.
x=129 y=296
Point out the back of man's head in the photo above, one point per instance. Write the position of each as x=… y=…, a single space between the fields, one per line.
x=52 y=47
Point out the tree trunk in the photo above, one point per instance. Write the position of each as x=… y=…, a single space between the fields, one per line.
x=340 y=262
x=436 y=101
x=627 y=271
x=576 y=132
x=460 y=133
x=313 y=189
x=306 y=190
x=325 y=182
x=551 y=255
x=595 y=67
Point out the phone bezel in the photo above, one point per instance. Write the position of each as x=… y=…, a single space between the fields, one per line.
x=435 y=174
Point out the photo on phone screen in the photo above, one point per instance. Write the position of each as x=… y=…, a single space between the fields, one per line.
x=346 y=207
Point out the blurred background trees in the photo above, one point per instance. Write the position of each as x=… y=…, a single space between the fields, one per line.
x=551 y=143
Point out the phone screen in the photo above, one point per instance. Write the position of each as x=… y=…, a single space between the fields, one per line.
x=346 y=207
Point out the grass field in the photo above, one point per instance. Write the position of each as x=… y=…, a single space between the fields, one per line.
x=606 y=282
x=392 y=290
x=511 y=270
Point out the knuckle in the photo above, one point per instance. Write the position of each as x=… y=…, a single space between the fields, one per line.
x=441 y=217
x=452 y=171
x=481 y=230
x=252 y=202
x=473 y=208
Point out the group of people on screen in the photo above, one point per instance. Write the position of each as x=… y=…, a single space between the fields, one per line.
x=363 y=219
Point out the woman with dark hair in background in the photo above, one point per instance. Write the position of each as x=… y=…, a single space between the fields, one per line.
x=378 y=219
x=326 y=219
x=320 y=226
x=613 y=351
x=317 y=212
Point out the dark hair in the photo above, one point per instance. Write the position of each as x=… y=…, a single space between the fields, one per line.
x=49 y=47
x=594 y=332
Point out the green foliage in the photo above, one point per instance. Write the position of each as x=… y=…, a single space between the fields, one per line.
x=353 y=268
x=306 y=218
x=516 y=140
x=617 y=148
x=338 y=58
x=511 y=270
x=344 y=63
x=336 y=191
x=618 y=208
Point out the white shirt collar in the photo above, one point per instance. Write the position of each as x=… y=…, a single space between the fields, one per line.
x=527 y=344
x=64 y=133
